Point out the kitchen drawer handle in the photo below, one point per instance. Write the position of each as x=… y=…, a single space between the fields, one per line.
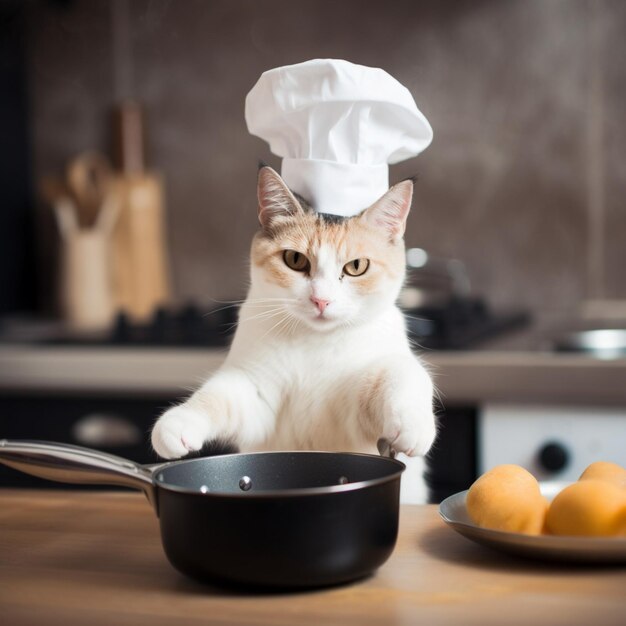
x=106 y=430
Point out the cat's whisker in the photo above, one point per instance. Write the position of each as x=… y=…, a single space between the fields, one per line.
x=271 y=303
x=291 y=329
x=280 y=321
x=293 y=324
x=227 y=328
x=223 y=308
x=271 y=310
x=269 y=307
x=228 y=302
x=266 y=300
x=280 y=329
x=413 y=317
x=263 y=315
x=296 y=323
x=261 y=306
x=254 y=302
x=283 y=326
x=284 y=330
x=249 y=300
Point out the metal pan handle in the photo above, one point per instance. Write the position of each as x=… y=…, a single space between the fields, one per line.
x=73 y=464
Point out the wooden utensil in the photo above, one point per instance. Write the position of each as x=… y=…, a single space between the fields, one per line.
x=141 y=260
x=89 y=178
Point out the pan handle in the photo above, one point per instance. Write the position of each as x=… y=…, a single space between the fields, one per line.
x=72 y=464
x=385 y=449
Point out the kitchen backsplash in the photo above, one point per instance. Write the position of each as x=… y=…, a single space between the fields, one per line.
x=524 y=180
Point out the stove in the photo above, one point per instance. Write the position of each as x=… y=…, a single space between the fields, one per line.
x=461 y=323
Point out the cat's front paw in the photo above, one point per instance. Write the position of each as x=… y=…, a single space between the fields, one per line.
x=179 y=431
x=401 y=407
x=409 y=429
x=406 y=416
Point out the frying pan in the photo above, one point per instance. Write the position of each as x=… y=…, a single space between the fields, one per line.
x=269 y=519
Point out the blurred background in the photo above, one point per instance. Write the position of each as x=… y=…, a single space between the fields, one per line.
x=128 y=183
x=524 y=180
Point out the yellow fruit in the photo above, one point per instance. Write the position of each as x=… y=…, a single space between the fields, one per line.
x=588 y=508
x=607 y=472
x=507 y=497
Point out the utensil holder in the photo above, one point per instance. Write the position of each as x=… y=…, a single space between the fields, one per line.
x=86 y=281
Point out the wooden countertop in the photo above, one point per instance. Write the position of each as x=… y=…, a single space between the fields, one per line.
x=96 y=558
x=462 y=377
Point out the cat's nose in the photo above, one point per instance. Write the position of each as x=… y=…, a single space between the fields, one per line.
x=320 y=304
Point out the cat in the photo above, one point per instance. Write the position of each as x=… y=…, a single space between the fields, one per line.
x=320 y=359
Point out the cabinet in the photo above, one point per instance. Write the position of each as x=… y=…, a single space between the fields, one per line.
x=118 y=425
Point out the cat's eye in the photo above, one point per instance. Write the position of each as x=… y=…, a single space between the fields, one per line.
x=296 y=261
x=358 y=267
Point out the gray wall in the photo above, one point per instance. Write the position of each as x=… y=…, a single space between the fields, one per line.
x=526 y=176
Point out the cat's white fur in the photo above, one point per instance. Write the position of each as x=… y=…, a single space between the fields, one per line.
x=295 y=379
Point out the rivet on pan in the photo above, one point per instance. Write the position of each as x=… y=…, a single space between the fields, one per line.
x=204 y=489
x=343 y=480
x=245 y=483
x=160 y=477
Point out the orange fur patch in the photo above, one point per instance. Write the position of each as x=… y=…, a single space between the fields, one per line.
x=352 y=239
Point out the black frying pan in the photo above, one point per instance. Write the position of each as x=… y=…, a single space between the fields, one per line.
x=273 y=519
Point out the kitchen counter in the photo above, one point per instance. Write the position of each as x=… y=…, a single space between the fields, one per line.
x=497 y=372
x=86 y=558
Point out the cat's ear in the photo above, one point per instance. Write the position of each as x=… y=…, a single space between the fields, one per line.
x=275 y=198
x=391 y=210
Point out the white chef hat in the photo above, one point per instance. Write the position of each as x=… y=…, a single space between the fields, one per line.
x=337 y=126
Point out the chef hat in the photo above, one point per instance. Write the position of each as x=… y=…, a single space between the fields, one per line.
x=337 y=126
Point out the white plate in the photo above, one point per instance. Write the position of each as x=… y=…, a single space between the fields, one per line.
x=547 y=547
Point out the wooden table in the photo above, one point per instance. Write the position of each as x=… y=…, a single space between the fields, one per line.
x=95 y=558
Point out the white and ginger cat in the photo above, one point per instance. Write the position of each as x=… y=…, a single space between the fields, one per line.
x=320 y=359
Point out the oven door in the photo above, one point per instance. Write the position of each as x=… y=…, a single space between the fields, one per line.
x=552 y=442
